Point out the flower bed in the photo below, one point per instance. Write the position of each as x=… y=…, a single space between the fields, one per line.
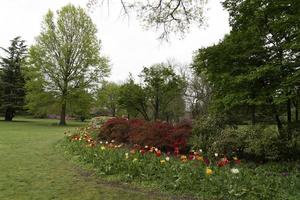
x=194 y=174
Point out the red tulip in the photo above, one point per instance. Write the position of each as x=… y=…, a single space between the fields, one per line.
x=142 y=151
x=237 y=162
x=158 y=153
x=222 y=162
x=176 y=151
x=191 y=157
x=206 y=161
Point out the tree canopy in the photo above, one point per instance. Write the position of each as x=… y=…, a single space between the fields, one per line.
x=108 y=97
x=256 y=66
x=162 y=85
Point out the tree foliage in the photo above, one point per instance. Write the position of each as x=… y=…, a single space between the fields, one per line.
x=67 y=55
x=108 y=97
x=81 y=103
x=134 y=99
x=158 y=97
x=256 y=66
x=12 y=78
x=163 y=86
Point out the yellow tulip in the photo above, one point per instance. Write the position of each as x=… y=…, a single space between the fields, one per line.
x=209 y=171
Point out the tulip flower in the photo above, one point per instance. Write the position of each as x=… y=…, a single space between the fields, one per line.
x=209 y=171
x=162 y=161
x=158 y=153
x=126 y=156
x=234 y=170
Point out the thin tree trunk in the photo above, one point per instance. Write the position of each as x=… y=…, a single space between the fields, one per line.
x=113 y=112
x=156 y=109
x=9 y=114
x=296 y=114
x=277 y=119
x=296 y=111
x=279 y=124
x=62 y=121
x=253 y=114
x=289 y=111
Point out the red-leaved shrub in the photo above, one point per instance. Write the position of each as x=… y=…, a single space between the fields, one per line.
x=179 y=136
x=158 y=134
x=115 y=129
x=151 y=134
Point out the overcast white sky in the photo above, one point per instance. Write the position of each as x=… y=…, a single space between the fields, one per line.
x=128 y=46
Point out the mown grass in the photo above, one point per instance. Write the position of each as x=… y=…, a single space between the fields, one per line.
x=31 y=168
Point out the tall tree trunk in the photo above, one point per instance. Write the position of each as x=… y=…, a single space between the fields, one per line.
x=296 y=110
x=279 y=124
x=289 y=111
x=156 y=109
x=296 y=114
x=113 y=112
x=62 y=121
x=253 y=117
x=9 y=114
x=277 y=119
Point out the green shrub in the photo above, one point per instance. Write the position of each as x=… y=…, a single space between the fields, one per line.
x=97 y=122
x=229 y=142
x=262 y=142
x=205 y=130
x=253 y=142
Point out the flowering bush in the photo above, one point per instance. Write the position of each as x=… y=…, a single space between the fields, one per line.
x=195 y=174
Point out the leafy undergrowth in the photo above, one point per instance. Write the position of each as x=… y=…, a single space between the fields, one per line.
x=192 y=175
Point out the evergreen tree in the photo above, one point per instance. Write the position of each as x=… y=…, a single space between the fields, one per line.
x=12 y=79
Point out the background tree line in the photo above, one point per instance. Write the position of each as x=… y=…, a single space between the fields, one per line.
x=64 y=73
x=254 y=74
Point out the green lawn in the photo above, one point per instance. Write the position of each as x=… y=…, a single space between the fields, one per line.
x=31 y=168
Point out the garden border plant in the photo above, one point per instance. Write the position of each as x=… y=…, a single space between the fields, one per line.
x=195 y=174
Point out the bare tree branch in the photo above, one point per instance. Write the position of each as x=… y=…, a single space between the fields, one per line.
x=166 y=16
